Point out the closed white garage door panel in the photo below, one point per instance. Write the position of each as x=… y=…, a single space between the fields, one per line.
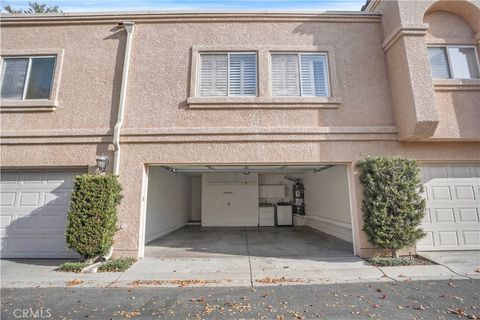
x=452 y=219
x=34 y=208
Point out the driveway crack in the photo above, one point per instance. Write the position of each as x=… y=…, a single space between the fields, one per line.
x=249 y=260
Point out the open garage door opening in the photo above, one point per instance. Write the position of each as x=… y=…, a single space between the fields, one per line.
x=286 y=210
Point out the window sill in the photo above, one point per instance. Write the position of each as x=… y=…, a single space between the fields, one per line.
x=456 y=84
x=263 y=103
x=28 y=105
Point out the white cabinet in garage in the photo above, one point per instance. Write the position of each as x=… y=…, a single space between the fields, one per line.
x=34 y=213
x=453 y=207
x=229 y=200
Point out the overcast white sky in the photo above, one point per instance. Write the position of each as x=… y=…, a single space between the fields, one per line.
x=142 y=5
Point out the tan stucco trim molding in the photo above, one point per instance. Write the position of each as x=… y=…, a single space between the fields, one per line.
x=450 y=41
x=28 y=106
x=415 y=31
x=457 y=85
x=263 y=103
x=192 y=17
x=220 y=134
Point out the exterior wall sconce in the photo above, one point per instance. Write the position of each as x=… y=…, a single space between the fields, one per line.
x=102 y=162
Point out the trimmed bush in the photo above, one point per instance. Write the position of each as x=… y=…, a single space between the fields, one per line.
x=117 y=265
x=92 y=215
x=393 y=207
x=72 y=266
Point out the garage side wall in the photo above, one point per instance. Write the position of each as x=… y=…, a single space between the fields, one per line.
x=168 y=202
x=327 y=202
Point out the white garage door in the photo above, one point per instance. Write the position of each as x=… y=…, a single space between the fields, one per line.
x=34 y=213
x=453 y=207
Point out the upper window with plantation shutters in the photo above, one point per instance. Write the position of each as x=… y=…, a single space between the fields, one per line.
x=453 y=62
x=300 y=74
x=228 y=74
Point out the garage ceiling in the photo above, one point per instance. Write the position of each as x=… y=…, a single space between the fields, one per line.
x=248 y=168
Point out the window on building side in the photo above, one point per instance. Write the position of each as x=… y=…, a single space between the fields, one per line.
x=27 y=77
x=228 y=74
x=301 y=74
x=453 y=62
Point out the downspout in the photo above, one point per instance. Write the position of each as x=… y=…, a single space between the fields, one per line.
x=129 y=28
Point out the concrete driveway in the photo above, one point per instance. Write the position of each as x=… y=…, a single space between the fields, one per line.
x=217 y=257
x=246 y=256
x=462 y=262
x=195 y=256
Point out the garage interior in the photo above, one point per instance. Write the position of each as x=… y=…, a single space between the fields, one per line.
x=282 y=210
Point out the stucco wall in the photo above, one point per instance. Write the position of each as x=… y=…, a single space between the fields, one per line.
x=160 y=127
x=160 y=72
x=422 y=113
x=168 y=202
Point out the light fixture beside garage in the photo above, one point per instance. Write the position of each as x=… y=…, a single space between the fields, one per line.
x=102 y=162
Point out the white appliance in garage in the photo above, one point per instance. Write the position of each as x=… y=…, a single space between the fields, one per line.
x=34 y=208
x=453 y=208
x=284 y=215
x=266 y=215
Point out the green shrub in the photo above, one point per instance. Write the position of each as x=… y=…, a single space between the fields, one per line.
x=92 y=215
x=72 y=266
x=393 y=207
x=389 y=261
x=117 y=265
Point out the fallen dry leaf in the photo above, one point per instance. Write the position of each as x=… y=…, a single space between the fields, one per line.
x=457 y=311
x=268 y=280
x=74 y=282
x=180 y=283
x=127 y=314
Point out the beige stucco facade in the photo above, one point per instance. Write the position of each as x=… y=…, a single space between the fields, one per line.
x=383 y=99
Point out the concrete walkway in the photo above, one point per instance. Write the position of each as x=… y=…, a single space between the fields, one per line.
x=466 y=263
x=194 y=256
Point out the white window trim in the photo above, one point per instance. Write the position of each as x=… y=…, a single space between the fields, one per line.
x=446 y=46
x=35 y=105
x=228 y=53
x=326 y=72
x=27 y=75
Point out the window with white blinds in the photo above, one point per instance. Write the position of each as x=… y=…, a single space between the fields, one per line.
x=300 y=75
x=228 y=74
x=453 y=62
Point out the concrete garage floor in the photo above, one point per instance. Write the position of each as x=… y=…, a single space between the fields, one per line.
x=246 y=256
x=292 y=242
